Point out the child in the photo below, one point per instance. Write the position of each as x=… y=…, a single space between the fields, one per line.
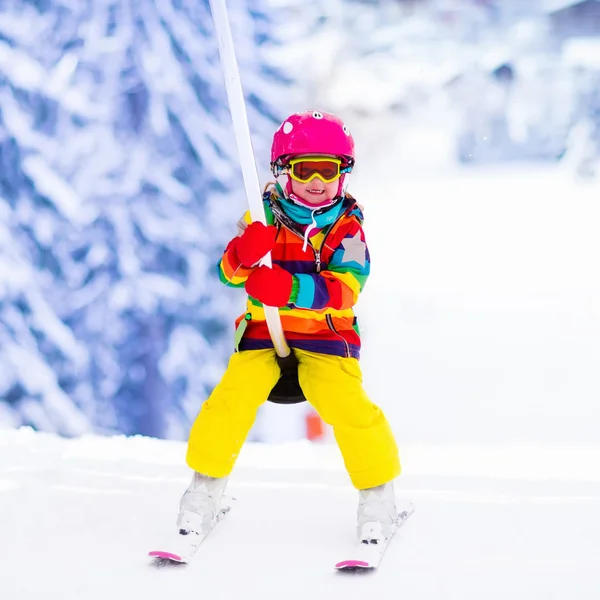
x=320 y=265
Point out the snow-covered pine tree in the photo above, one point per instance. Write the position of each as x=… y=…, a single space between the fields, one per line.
x=120 y=185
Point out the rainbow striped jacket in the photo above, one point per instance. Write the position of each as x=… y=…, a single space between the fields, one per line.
x=331 y=271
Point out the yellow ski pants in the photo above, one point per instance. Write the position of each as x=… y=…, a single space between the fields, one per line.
x=332 y=384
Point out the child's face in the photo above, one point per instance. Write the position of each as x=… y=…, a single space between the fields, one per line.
x=315 y=191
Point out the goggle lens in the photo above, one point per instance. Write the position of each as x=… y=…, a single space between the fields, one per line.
x=303 y=170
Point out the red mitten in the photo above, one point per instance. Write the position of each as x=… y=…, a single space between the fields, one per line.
x=255 y=242
x=272 y=287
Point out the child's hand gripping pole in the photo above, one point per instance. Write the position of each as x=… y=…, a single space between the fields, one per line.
x=237 y=107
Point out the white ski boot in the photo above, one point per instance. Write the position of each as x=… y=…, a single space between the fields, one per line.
x=200 y=505
x=377 y=513
x=378 y=520
x=200 y=509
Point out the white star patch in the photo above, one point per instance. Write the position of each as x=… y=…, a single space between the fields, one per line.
x=355 y=250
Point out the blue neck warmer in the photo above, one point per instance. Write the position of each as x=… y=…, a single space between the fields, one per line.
x=305 y=216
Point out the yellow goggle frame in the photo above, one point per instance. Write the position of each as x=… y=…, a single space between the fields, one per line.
x=304 y=169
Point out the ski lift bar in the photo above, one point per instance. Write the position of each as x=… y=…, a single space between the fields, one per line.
x=237 y=108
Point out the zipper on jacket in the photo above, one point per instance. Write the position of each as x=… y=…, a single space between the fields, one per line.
x=317 y=253
x=332 y=327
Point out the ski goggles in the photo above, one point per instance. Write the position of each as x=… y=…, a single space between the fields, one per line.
x=325 y=168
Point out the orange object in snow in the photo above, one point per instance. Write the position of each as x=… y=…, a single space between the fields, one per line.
x=315 y=428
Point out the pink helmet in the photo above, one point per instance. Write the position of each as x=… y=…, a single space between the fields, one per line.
x=312 y=132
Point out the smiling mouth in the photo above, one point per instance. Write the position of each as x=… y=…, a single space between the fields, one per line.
x=316 y=191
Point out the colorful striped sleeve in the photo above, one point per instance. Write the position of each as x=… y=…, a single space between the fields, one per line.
x=340 y=284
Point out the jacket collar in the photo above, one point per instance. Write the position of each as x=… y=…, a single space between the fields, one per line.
x=349 y=207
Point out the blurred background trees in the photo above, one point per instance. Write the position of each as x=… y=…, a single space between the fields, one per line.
x=119 y=181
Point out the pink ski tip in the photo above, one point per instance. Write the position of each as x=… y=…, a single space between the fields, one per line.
x=167 y=555
x=351 y=564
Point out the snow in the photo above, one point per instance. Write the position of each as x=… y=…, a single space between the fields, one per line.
x=64 y=197
x=556 y=5
x=481 y=316
x=582 y=52
x=494 y=521
x=119 y=159
x=30 y=368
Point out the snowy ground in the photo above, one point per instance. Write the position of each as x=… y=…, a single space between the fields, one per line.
x=494 y=522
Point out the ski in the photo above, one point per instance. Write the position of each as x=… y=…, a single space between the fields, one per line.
x=184 y=544
x=367 y=554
